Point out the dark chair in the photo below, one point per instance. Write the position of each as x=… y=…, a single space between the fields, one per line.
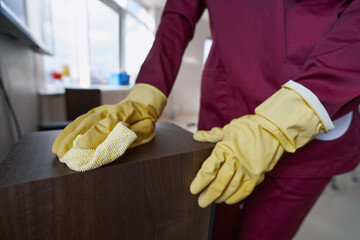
x=77 y=102
x=80 y=101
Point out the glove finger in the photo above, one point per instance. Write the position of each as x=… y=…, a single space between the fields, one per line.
x=232 y=187
x=214 y=135
x=68 y=129
x=208 y=171
x=99 y=131
x=127 y=112
x=144 y=131
x=245 y=189
x=132 y=112
x=217 y=187
x=79 y=126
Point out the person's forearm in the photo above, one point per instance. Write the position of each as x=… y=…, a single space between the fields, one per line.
x=176 y=29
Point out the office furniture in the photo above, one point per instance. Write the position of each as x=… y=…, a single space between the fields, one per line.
x=142 y=195
x=77 y=102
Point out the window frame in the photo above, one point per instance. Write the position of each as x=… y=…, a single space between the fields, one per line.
x=83 y=52
x=122 y=11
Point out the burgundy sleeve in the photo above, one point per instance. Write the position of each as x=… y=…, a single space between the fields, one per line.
x=176 y=29
x=332 y=70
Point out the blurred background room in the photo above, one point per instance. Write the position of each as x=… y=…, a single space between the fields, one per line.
x=47 y=46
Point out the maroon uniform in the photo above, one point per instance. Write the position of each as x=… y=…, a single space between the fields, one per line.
x=257 y=47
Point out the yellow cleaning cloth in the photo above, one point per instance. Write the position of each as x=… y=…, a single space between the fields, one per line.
x=115 y=145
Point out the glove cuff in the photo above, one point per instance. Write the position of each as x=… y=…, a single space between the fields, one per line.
x=149 y=96
x=312 y=100
x=294 y=116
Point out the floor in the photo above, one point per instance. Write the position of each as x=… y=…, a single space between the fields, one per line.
x=336 y=215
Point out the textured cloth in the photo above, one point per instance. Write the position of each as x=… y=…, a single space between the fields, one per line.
x=115 y=145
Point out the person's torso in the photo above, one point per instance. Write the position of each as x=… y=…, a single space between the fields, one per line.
x=257 y=47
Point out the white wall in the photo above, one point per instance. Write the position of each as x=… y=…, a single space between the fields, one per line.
x=21 y=71
x=186 y=92
x=185 y=96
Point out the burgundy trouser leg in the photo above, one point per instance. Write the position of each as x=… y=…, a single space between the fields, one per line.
x=275 y=210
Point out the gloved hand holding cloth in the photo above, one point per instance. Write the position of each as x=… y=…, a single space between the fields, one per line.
x=251 y=145
x=104 y=133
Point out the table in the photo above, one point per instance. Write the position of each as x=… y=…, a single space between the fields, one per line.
x=142 y=195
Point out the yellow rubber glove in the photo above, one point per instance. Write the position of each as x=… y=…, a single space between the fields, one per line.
x=251 y=145
x=139 y=112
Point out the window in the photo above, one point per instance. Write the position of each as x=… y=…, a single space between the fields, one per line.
x=65 y=30
x=103 y=41
x=138 y=41
x=96 y=38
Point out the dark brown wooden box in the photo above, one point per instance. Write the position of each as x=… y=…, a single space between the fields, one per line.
x=142 y=195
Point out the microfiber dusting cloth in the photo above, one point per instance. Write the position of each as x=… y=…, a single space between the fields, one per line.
x=115 y=145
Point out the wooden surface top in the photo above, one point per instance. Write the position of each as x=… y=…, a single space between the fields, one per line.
x=31 y=159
